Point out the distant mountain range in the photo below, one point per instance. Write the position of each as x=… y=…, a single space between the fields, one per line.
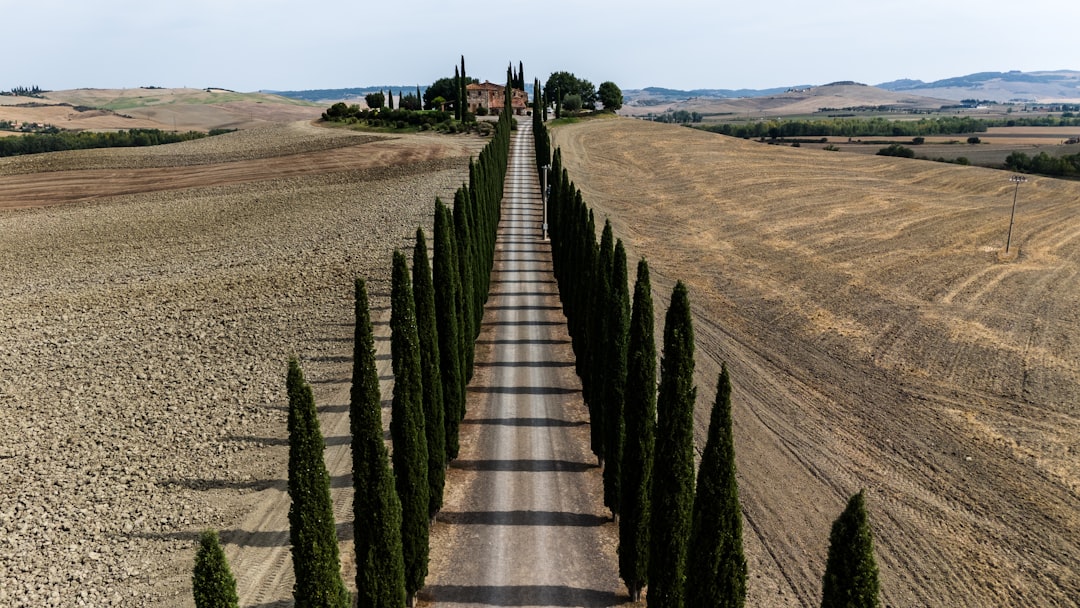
x=997 y=86
x=987 y=86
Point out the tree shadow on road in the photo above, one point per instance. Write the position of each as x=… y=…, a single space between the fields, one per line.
x=530 y=422
x=519 y=595
x=522 y=518
x=523 y=466
x=523 y=390
x=524 y=364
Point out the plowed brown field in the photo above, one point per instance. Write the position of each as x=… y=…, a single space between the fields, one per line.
x=878 y=339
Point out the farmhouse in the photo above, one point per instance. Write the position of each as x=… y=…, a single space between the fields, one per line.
x=492 y=98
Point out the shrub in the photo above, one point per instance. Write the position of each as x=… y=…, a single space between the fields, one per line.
x=974 y=140
x=897 y=150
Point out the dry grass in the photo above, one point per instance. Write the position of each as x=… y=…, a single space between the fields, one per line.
x=876 y=341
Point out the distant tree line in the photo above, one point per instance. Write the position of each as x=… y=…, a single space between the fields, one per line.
x=852 y=127
x=876 y=127
x=34 y=91
x=68 y=140
x=1067 y=165
x=679 y=117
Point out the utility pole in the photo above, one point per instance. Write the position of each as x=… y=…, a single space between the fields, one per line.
x=1016 y=179
x=543 y=198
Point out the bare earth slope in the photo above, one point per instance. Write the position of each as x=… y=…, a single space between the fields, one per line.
x=144 y=339
x=145 y=108
x=877 y=340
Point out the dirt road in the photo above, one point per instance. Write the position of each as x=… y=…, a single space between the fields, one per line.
x=523 y=523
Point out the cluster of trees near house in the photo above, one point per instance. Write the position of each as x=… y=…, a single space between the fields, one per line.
x=680 y=539
x=435 y=319
x=57 y=140
x=427 y=110
x=566 y=92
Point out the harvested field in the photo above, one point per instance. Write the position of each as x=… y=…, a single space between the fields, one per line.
x=145 y=337
x=878 y=338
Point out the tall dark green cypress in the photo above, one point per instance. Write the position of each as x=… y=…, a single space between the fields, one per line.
x=463 y=92
x=640 y=416
x=464 y=241
x=673 y=470
x=447 y=314
x=407 y=429
x=457 y=92
x=430 y=373
x=851 y=573
x=716 y=566
x=595 y=379
x=616 y=330
x=212 y=581
x=312 y=530
x=380 y=571
x=390 y=99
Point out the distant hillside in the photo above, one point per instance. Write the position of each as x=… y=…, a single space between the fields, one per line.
x=322 y=96
x=1061 y=85
x=155 y=108
x=784 y=102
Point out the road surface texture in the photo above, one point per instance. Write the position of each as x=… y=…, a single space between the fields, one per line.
x=523 y=522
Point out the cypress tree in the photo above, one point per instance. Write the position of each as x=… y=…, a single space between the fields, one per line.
x=617 y=328
x=463 y=91
x=390 y=99
x=716 y=567
x=851 y=574
x=447 y=313
x=431 y=378
x=640 y=416
x=212 y=581
x=463 y=239
x=407 y=429
x=598 y=290
x=457 y=91
x=312 y=530
x=380 y=571
x=673 y=470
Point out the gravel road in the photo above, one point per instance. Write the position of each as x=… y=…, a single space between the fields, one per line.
x=524 y=523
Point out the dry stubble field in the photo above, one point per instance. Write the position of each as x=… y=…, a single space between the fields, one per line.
x=877 y=339
x=145 y=329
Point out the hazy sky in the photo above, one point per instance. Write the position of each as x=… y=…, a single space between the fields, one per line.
x=249 y=45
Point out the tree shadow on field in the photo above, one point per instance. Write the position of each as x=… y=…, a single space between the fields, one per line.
x=519 y=595
x=240 y=537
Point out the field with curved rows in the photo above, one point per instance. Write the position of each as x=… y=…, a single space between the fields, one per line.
x=878 y=338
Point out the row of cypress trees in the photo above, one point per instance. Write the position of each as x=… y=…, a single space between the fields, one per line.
x=685 y=545
x=435 y=319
